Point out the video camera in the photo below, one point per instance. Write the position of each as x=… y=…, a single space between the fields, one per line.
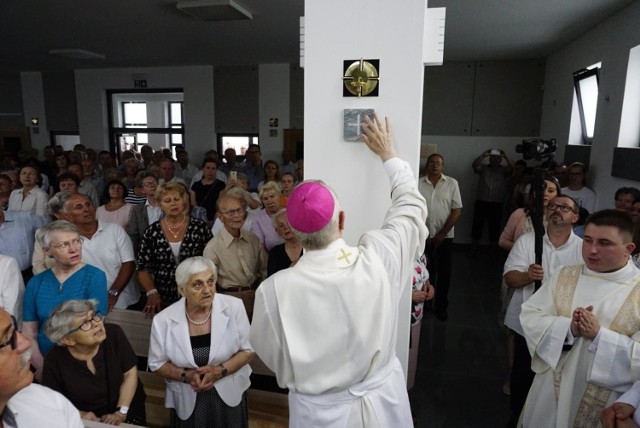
x=537 y=148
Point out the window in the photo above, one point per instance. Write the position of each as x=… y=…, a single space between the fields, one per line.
x=239 y=142
x=629 y=136
x=134 y=115
x=175 y=121
x=151 y=117
x=586 y=91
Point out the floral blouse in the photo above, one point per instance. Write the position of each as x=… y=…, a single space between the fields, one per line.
x=420 y=278
x=155 y=255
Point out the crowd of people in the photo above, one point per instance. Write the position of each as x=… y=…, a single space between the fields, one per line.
x=81 y=235
x=571 y=315
x=235 y=258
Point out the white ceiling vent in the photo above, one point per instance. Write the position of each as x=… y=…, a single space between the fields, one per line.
x=215 y=10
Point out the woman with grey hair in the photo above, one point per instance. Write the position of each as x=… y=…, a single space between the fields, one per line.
x=285 y=255
x=94 y=365
x=200 y=346
x=69 y=278
x=263 y=223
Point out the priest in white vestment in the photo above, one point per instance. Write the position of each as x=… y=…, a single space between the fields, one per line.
x=327 y=326
x=582 y=330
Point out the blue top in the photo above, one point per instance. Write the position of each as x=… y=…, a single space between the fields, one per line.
x=43 y=293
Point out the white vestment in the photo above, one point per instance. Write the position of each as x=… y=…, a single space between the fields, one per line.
x=572 y=386
x=327 y=327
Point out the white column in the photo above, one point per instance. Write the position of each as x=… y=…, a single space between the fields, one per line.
x=392 y=32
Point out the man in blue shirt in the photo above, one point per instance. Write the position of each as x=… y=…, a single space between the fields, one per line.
x=17 y=237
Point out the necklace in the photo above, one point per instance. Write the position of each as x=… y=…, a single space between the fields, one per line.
x=194 y=322
x=172 y=228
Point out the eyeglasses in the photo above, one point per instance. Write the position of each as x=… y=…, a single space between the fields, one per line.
x=66 y=244
x=13 y=339
x=562 y=208
x=233 y=213
x=86 y=326
x=151 y=184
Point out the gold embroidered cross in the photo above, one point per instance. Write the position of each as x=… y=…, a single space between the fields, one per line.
x=345 y=255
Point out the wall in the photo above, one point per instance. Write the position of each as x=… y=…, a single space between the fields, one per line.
x=236 y=100
x=483 y=98
x=609 y=42
x=273 y=102
x=33 y=100
x=355 y=173
x=459 y=153
x=472 y=106
x=11 y=110
x=60 y=101
x=197 y=83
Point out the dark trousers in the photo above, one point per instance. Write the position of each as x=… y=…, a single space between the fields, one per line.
x=439 y=266
x=521 y=377
x=491 y=212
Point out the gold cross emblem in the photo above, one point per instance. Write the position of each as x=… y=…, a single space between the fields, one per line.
x=345 y=255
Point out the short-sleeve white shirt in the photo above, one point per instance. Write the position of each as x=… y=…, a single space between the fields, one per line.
x=523 y=254
x=39 y=406
x=109 y=247
x=441 y=199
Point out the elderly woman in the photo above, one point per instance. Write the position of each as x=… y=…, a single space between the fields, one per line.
x=69 y=278
x=115 y=209
x=30 y=197
x=285 y=255
x=200 y=346
x=262 y=225
x=166 y=243
x=93 y=365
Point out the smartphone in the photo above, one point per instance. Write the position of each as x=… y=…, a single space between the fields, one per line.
x=233 y=176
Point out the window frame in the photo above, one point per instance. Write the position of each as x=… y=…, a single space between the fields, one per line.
x=578 y=76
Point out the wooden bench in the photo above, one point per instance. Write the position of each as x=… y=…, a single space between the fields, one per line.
x=137 y=328
x=266 y=409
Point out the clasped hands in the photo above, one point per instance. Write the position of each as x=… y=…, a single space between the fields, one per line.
x=584 y=323
x=203 y=378
x=115 y=418
x=618 y=415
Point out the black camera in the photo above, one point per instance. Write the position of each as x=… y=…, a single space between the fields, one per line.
x=537 y=148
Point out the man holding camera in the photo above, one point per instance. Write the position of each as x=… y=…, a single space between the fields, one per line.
x=492 y=186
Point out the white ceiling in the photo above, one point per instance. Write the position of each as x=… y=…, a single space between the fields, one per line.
x=154 y=33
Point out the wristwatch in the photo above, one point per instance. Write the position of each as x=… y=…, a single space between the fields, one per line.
x=123 y=410
x=113 y=292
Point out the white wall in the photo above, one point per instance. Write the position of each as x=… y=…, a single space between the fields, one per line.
x=197 y=83
x=459 y=153
x=273 y=101
x=609 y=42
x=384 y=31
x=33 y=105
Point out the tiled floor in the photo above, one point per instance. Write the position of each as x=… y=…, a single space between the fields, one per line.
x=462 y=362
